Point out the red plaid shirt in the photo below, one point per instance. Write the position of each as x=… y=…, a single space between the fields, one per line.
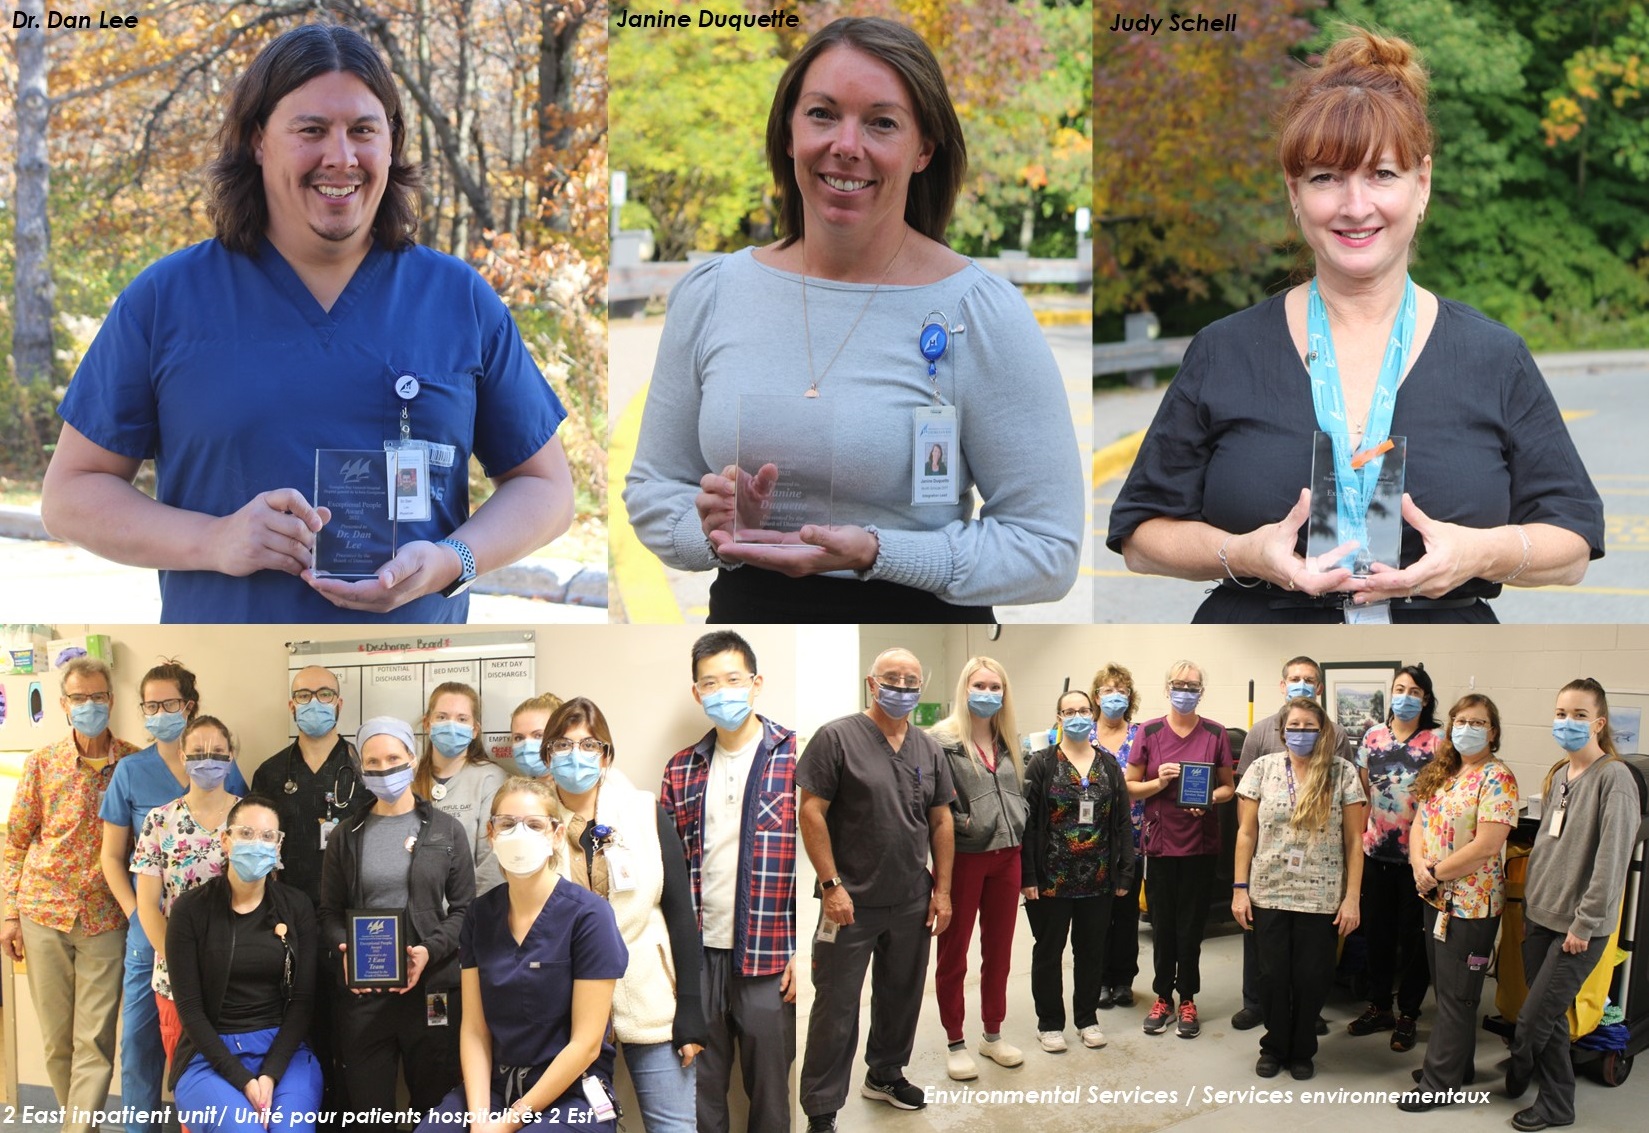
x=764 y=910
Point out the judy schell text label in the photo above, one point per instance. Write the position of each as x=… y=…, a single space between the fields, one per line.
x=1176 y=21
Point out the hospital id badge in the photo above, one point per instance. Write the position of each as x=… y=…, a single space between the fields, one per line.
x=1372 y=614
x=827 y=931
x=1440 y=931
x=596 y=1094
x=935 y=449
x=620 y=877
x=409 y=484
x=327 y=826
x=1085 y=812
x=435 y=1009
x=1295 y=863
x=1557 y=824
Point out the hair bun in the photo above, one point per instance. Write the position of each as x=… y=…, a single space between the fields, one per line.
x=1365 y=56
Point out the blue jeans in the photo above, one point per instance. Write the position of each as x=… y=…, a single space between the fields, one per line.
x=142 y=1058
x=202 y=1093
x=665 y=1089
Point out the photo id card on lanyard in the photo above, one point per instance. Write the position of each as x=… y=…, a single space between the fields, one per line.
x=935 y=437
x=409 y=486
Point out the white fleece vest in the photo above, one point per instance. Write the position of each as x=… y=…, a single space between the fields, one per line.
x=644 y=1001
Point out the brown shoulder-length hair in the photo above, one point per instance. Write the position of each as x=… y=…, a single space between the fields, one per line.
x=237 y=206
x=932 y=194
x=578 y=710
x=1446 y=763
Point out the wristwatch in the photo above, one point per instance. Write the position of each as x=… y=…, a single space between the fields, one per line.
x=833 y=883
x=467 y=575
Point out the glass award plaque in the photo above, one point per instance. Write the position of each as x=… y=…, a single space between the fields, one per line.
x=358 y=485
x=1196 y=785
x=377 y=955
x=1356 y=498
x=785 y=468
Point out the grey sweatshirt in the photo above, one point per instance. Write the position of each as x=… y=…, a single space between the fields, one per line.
x=735 y=327
x=988 y=811
x=1577 y=880
x=469 y=800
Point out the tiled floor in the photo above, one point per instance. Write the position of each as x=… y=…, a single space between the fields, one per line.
x=1196 y=1071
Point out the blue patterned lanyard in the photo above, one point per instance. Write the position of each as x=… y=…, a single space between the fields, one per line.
x=1356 y=484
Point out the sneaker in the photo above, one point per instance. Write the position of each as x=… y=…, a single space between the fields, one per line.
x=899 y=1094
x=959 y=1065
x=1188 y=1027
x=1092 y=1036
x=1001 y=1052
x=1124 y=996
x=1403 y=1037
x=1372 y=1019
x=1052 y=1041
x=1107 y=998
x=1529 y=1120
x=1247 y=1019
x=1157 y=1021
x=1302 y=1070
x=1269 y=1066
x=822 y=1123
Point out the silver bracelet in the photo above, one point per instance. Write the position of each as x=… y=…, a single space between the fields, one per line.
x=1528 y=554
x=1227 y=566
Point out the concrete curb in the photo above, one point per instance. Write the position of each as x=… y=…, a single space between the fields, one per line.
x=561 y=581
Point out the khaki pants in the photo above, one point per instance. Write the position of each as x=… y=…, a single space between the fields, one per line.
x=74 y=980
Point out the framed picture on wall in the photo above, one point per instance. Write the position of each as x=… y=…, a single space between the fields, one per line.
x=1357 y=694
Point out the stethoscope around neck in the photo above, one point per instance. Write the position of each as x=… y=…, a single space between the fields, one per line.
x=336 y=798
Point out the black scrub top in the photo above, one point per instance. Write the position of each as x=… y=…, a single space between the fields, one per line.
x=1231 y=441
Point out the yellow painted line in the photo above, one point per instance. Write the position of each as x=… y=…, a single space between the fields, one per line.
x=1577 y=414
x=642 y=584
x=1063 y=318
x=1116 y=458
x=1621 y=476
x=1624 y=491
x=1627 y=591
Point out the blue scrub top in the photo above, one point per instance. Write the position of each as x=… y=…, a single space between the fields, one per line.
x=141 y=782
x=527 y=990
x=225 y=370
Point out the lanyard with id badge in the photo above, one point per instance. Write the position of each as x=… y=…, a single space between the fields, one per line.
x=1445 y=889
x=1356 y=493
x=1294 y=858
x=935 y=432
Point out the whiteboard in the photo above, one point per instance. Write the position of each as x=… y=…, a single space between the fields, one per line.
x=393 y=676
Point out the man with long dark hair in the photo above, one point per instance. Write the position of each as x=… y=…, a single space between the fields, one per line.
x=312 y=321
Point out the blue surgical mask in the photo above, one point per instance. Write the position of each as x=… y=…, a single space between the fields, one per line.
x=1300 y=741
x=575 y=771
x=1184 y=702
x=451 y=738
x=1571 y=735
x=208 y=774
x=1078 y=727
x=1113 y=704
x=89 y=719
x=727 y=707
x=316 y=719
x=984 y=704
x=388 y=785
x=897 y=702
x=1468 y=740
x=529 y=757
x=165 y=726
x=254 y=860
x=1299 y=689
x=1406 y=707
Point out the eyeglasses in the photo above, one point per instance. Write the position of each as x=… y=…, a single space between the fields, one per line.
x=1107 y=690
x=537 y=823
x=156 y=707
x=1067 y=713
x=1184 y=686
x=1472 y=723
x=79 y=698
x=247 y=834
x=902 y=683
x=208 y=755
x=589 y=745
x=324 y=695
x=733 y=680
